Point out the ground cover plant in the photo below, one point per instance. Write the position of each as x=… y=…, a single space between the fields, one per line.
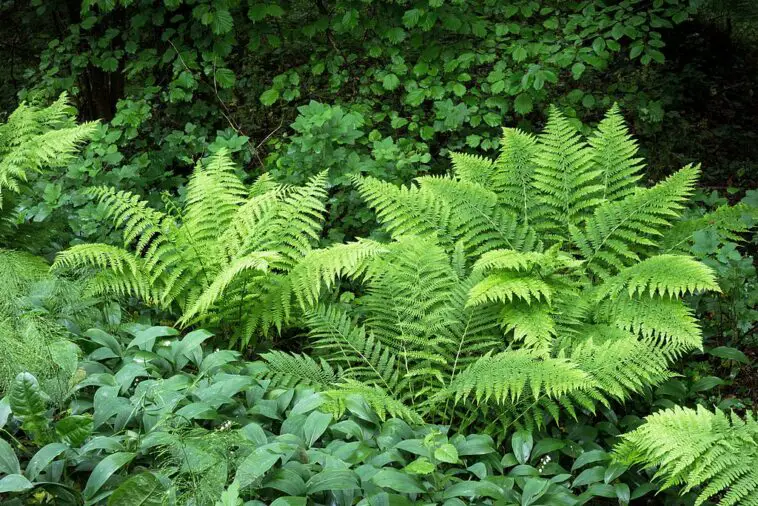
x=378 y=252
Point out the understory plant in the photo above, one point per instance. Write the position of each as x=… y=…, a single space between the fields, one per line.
x=513 y=290
x=221 y=259
x=155 y=417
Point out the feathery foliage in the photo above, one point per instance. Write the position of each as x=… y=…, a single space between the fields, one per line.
x=714 y=451
x=223 y=259
x=533 y=282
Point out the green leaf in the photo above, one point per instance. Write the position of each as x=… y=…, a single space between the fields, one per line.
x=577 y=70
x=332 y=479
x=522 y=444
x=5 y=411
x=8 y=460
x=622 y=493
x=519 y=54
x=42 y=459
x=269 y=96
x=729 y=353
x=145 y=339
x=471 y=489
x=588 y=476
x=534 y=488
x=142 y=489
x=290 y=501
x=420 y=466
x=615 y=470
x=390 y=82
x=446 y=453
x=590 y=457
x=255 y=466
x=74 y=429
x=103 y=338
x=315 y=426
x=222 y=22
x=459 y=89
x=25 y=397
x=706 y=383
x=104 y=470
x=14 y=483
x=398 y=481
x=523 y=104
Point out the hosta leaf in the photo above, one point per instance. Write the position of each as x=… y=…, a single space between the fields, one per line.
x=104 y=470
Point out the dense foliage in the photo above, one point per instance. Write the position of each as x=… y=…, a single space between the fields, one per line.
x=285 y=253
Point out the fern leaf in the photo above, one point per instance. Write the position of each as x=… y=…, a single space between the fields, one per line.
x=698 y=448
x=614 y=154
x=608 y=237
x=506 y=376
x=514 y=179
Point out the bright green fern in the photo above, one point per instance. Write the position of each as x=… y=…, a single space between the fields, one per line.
x=532 y=285
x=713 y=452
x=222 y=260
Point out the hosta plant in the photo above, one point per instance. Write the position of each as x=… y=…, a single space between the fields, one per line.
x=526 y=286
x=222 y=259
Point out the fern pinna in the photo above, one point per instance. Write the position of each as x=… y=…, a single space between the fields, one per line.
x=531 y=285
x=222 y=259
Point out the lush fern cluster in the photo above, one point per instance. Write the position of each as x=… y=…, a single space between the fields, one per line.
x=530 y=284
x=698 y=448
x=32 y=140
x=222 y=259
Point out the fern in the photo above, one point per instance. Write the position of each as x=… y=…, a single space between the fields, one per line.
x=713 y=451
x=529 y=286
x=223 y=261
x=36 y=138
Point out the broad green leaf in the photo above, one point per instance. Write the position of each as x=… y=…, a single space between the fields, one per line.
x=42 y=459
x=142 y=489
x=523 y=104
x=589 y=458
x=390 y=82
x=269 y=96
x=105 y=339
x=729 y=353
x=446 y=453
x=534 y=488
x=290 y=501
x=471 y=489
x=8 y=460
x=589 y=476
x=25 y=397
x=14 y=483
x=332 y=479
x=706 y=383
x=74 y=429
x=145 y=339
x=255 y=466
x=104 y=470
x=522 y=443
x=315 y=425
x=420 y=466
x=398 y=481
x=5 y=411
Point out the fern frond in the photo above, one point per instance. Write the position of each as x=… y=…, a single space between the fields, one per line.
x=472 y=168
x=291 y=369
x=505 y=377
x=608 y=239
x=531 y=323
x=128 y=272
x=698 y=448
x=662 y=275
x=258 y=261
x=514 y=180
x=565 y=177
x=36 y=138
x=618 y=362
x=666 y=322
x=614 y=154
x=504 y=287
x=405 y=210
x=323 y=267
x=382 y=403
